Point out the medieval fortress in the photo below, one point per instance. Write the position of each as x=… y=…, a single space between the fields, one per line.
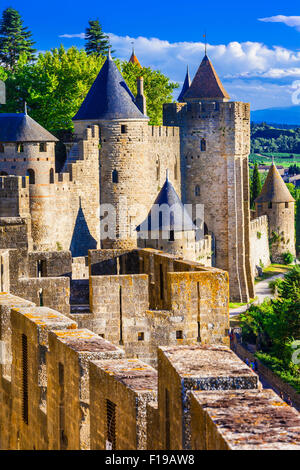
x=116 y=275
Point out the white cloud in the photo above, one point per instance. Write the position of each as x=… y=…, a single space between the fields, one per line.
x=292 y=21
x=69 y=36
x=250 y=71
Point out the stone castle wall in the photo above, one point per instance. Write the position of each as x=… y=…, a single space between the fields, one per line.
x=215 y=144
x=66 y=388
x=259 y=243
x=281 y=222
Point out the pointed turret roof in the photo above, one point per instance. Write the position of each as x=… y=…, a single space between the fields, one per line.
x=134 y=60
x=186 y=86
x=274 y=189
x=109 y=97
x=22 y=128
x=180 y=219
x=206 y=84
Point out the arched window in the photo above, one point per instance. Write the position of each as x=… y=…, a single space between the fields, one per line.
x=1 y=148
x=51 y=176
x=197 y=190
x=203 y=145
x=115 y=176
x=43 y=147
x=20 y=148
x=31 y=175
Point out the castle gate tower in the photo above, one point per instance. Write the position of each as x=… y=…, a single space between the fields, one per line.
x=215 y=144
x=276 y=202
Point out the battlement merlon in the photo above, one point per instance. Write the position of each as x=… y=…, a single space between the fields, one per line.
x=175 y=113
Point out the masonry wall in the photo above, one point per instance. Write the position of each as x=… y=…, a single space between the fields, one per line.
x=259 y=243
x=218 y=172
x=281 y=223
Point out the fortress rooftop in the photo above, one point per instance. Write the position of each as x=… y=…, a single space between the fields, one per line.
x=178 y=221
x=22 y=128
x=274 y=189
x=206 y=84
x=185 y=87
x=109 y=97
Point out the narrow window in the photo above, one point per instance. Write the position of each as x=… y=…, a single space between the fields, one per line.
x=20 y=148
x=172 y=236
x=43 y=147
x=123 y=129
x=41 y=298
x=161 y=280
x=197 y=190
x=157 y=170
x=25 y=379
x=31 y=175
x=61 y=381
x=115 y=176
x=141 y=336
x=203 y=145
x=167 y=419
x=121 y=315
x=179 y=334
x=286 y=205
x=175 y=171
x=270 y=205
x=111 y=424
x=1 y=148
x=51 y=176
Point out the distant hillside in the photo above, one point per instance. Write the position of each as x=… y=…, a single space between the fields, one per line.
x=289 y=115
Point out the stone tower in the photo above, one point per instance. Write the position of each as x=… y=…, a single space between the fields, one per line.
x=276 y=202
x=215 y=144
x=27 y=149
x=124 y=162
x=168 y=226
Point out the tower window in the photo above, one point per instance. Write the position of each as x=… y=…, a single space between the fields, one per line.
x=31 y=175
x=197 y=190
x=123 y=129
x=203 y=145
x=51 y=176
x=175 y=171
x=172 y=236
x=115 y=176
x=179 y=334
x=111 y=424
x=141 y=336
x=20 y=148
x=286 y=205
x=270 y=205
x=43 y=147
x=1 y=148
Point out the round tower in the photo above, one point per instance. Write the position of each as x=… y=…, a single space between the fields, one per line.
x=125 y=183
x=27 y=149
x=276 y=202
x=168 y=227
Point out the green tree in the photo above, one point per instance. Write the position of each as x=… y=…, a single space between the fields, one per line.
x=15 y=39
x=96 y=41
x=256 y=184
x=56 y=84
x=157 y=87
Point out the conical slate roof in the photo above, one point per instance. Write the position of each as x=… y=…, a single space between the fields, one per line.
x=180 y=219
x=274 y=189
x=22 y=128
x=206 y=83
x=134 y=60
x=185 y=87
x=109 y=97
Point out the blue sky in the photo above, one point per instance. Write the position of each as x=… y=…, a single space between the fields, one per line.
x=255 y=46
